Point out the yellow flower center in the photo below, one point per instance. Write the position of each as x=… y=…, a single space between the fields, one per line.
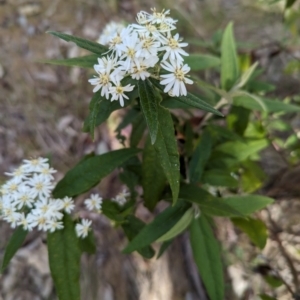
x=116 y=40
x=131 y=52
x=151 y=27
x=104 y=79
x=173 y=43
x=39 y=186
x=179 y=74
x=119 y=90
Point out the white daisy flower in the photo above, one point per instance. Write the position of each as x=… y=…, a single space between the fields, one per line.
x=121 y=197
x=24 y=223
x=143 y=17
x=94 y=202
x=117 y=91
x=111 y=30
x=41 y=187
x=68 y=205
x=140 y=71
x=12 y=217
x=18 y=174
x=172 y=46
x=34 y=165
x=82 y=229
x=46 y=172
x=116 y=42
x=129 y=48
x=10 y=186
x=175 y=82
x=147 y=47
x=23 y=197
x=53 y=225
x=103 y=80
x=38 y=220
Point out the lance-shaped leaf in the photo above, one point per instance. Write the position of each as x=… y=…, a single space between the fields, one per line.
x=87 y=61
x=82 y=43
x=149 y=100
x=248 y=204
x=229 y=61
x=253 y=102
x=153 y=178
x=246 y=76
x=138 y=129
x=132 y=227
x=100 y=110
x=164 y=246
x=199 y=61
x=208 y=203
x=64 y=259
x=89 y=172
x=207 y=255
x=196 y=102
x=14 y=243
x=166 y=149
x=200 y=157
x=255 y=229
x=191 y=100
x=179 y=227
x=242 y=150
x=158 y=227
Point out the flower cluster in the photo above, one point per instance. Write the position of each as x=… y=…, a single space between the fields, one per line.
x=25 y=199
x=141 y=50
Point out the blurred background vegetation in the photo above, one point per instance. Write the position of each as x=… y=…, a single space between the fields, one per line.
x=42 y=108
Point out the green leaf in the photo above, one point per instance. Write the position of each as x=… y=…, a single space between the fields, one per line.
x=87 y=61
x=158 y=227
x=254 y=228
x=100 y=110
x=112 y=211
x=271 y=106
x=88 y=244
x=166 y=149
x=229 y=61
x=238 y=119
x=196 y=102
x=252 y=177
x=249 y=204
x=217 y=177
x=95 y=107
x=179 y=227
x=165 y=245
x=82 y=43
x=153 y=178
x=289 y=3
x=88 y=173
x=208 y=203
x=64 y=260
x=200 y=157
x=273 y=281
x=132 y=227
x=207 y=255
x=241 y=151
x=149 y=100
x=14 y=243
x=199 y=62
x=138 y=129
x=246 y=76
x=191 y=100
